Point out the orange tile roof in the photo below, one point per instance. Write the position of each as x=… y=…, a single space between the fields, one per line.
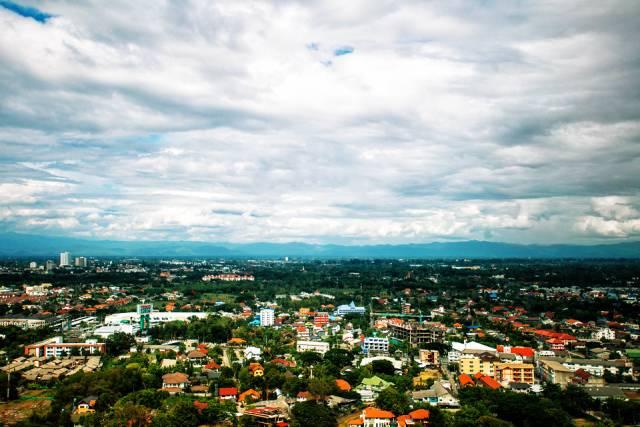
x=343 y=385
x=420 y=414
x=465 y=379
x=372 y=412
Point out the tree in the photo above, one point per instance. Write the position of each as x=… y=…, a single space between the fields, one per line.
x=309 y=358
x=392 y=400
x=339 y=357
x=312 y=413
x=321 y=387
x=119 y=343
x=382 y=367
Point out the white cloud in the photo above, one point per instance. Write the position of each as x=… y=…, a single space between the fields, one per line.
x=216 y=121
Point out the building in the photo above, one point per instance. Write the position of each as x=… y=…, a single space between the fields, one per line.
x=416 y=333
x=267 y=317
x=370 y=387
x=229 y=277
x=437 y=395
x=252 y=353
x=50 y=265
x=228 y=393
x=483 y=363
x=80 y=261
x=42 y=289
x=320 y=319
x=175 y=382
x=155 y=317
x=315 y=346
x=506 y=373
x=374 y=417
x=351 y=308
x=429 y=357
x=406 y=308
x=604 y=334
x=554 y=372
x=56 y=347
x=31 y=322
x=375 y=345
x=65 y=259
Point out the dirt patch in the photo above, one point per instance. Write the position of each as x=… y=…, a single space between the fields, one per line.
x=37 y=401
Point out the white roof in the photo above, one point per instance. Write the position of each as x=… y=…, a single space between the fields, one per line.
x=476 y=346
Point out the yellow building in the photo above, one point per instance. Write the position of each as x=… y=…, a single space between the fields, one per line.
x=514 y=373
x=471 y=364
x=423 y=378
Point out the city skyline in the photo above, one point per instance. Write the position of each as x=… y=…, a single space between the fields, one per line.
x=323 y=122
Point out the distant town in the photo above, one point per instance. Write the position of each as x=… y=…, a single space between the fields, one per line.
x=92 y=341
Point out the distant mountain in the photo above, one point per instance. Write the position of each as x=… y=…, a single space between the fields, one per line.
x=14 y=244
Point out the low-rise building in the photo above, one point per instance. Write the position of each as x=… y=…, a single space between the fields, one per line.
x=315 y=346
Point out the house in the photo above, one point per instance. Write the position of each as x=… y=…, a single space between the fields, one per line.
x=488 y=382
x=86 y=405
x=249 y=396
x=303 y=396
x=212 y=365
x=370 y=387
x=417 y=418
x=200 y=390
x=227 y=393
x=437 y=395
x=465 y=380
x=175 y=382
x=252 y=353
x=374 y=417
x=197 y=358
x=256 y=369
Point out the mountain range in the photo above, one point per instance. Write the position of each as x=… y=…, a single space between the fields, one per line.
x=22 y=245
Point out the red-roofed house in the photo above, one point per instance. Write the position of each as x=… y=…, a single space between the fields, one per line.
x=488 y=382
x=227 y=393
x=374 y=417
x=465 y=381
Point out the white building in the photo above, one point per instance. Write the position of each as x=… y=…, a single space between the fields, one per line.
x=64 y=259
x=457 y=348
x=315 y=346
x=33 y=265
x=252 y=353
x=108 y=330
x=375 y=345
x=604 y=334
x=267 y=317
x=155 y=317
x=349 y=309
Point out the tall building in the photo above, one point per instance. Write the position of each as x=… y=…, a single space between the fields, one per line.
x=50 y=265
x=80 y=261
x=64 y=259
x=267 y=317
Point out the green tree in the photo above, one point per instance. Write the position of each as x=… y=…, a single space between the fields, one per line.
x=312 y=413
x=392 y=400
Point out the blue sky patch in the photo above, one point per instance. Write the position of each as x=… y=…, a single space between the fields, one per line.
x=26 y=11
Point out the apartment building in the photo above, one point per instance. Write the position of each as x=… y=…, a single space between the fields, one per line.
x=56 y=347
x=375 y=345
x=483 y=363
x=506 y=373
x=416 y=333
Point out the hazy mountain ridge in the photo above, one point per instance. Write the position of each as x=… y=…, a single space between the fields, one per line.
x=14 y=244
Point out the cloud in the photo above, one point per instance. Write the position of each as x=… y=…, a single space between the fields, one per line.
x=25 y=11
x=211 y=122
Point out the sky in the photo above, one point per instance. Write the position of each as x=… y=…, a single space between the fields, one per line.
x=352 y=122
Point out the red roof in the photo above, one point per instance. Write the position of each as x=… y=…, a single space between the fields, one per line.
x=465 y=379
x=343 y=385
x=489 y=382
x=419 y=414
x=227 y=391
x=372 y=412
